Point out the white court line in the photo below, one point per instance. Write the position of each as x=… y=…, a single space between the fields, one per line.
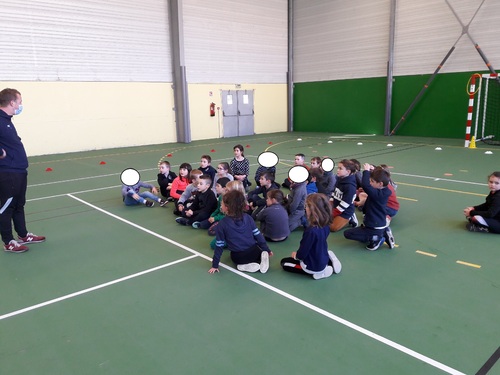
x=112 y=174
x=91 y=289
x=280 y=292
x=440 y=179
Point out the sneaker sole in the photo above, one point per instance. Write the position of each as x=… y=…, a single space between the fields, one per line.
x=15 y=251
x=376 y=247
x=337 y=266
x=264 y=262
x=323 y=275
x=250 y=267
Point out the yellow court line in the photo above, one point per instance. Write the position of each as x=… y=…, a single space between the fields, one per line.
x=441 y=189
x=408 y=199
x=428 y=254
x=468 y=264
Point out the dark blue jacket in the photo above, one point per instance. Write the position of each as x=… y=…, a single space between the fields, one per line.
x=344 y=195
x=237 y=234
x=313 y=250
x=376 y=202
x=16 y=159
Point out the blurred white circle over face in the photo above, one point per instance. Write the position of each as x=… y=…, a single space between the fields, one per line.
x=298 y=174
x=268 y=159
x=327 y=164
x=130 y=177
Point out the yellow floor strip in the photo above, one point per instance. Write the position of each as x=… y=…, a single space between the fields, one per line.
x=469 y=264
x=424 y=253
x=440 y=189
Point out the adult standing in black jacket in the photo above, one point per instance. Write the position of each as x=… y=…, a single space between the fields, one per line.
x=13 y=176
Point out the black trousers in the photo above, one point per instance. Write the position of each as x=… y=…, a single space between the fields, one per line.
x=12 y=200
x=251 y=255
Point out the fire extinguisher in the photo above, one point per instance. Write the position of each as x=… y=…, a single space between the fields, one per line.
x=212 y=109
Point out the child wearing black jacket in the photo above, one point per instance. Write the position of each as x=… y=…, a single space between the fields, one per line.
x=203 y=205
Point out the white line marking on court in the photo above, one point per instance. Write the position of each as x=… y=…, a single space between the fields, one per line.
x=439 y=179
x=282 y=293
x=353 y=326
x=91 y=289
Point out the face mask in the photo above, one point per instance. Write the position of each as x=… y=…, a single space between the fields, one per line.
x=18 y=110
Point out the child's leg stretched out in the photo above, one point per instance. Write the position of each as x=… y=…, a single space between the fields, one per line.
x=149 y=195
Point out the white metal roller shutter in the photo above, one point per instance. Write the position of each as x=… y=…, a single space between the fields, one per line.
x=426 y=30
x=236 y=41
x=343 y=39
x=85 y=40
x=340 y=39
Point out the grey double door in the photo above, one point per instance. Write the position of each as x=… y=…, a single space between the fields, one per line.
x=237 y=112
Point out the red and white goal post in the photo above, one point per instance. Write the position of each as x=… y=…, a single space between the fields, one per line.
x=483 y=113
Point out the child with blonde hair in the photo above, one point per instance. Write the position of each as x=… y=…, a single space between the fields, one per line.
x=313 y=257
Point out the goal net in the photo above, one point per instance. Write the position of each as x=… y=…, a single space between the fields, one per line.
x=483 y=117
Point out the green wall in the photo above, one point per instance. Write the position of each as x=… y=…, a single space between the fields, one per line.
x=358 y=106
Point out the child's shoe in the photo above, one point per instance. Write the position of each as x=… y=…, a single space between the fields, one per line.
x=249 y=267
x=149 y=204
x=196 y=225
x=162 y=203
x=375 y=244
x=181 y=221
x=15 y=247
x=389 y=238
x=336 y=265
x=30 y=238
x=476 y=228
x=264 y=262
x=353 y=221
x=327 y=272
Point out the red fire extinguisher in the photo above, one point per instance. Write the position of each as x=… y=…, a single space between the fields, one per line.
x=212 y=109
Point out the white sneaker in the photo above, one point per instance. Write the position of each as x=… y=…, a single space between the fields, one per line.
x=249 y=267
x=336 y=265
x=264 y=262
x=389 y=238
x=327 y=272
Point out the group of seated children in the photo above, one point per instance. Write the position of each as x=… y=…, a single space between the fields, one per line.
x=202 y=200
x=238 y=233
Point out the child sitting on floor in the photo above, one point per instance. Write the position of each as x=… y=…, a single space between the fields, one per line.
x=237 y=231
x=486 y=217
x=181 y=181
x=165 y=179
x=274 y=218
x=187 y=197
x=257 y=197
x=375 y=230
x=343 y=196
x=217 y=215
x=203 y=205
x=132 y=195
x=313 y=257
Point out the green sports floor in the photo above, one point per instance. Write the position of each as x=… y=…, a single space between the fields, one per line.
x=125 y=290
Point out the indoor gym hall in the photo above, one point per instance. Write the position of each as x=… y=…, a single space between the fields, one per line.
x=125 y=290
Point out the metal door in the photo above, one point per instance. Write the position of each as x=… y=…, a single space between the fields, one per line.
x=237 y=113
